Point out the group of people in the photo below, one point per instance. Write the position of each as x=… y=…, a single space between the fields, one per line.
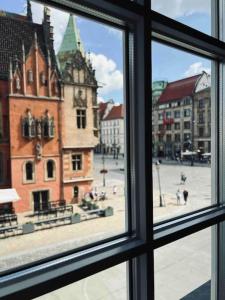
x=179 y=194
x=93 y=195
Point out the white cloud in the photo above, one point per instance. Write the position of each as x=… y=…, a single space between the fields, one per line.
x=101 y=99
x=107 y=74
x=113 y=31
x=196 y=68
x=179 y=8
x=59 y=21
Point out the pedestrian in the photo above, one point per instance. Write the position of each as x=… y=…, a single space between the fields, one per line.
x=183 y=178
x=91 y=194
x=114 y=189
x=178 y=194
x=185 y=194
x=102 y=196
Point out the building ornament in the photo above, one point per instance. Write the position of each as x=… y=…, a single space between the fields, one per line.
x=38 y=149
x=79 y=100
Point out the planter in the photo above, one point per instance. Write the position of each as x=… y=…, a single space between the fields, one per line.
x=108 y=211
x=75 y=218
x=28 y=228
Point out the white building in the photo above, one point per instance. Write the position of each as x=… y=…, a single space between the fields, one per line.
x=112 y=131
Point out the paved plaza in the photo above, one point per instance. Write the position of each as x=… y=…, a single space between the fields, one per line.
x=174 y=263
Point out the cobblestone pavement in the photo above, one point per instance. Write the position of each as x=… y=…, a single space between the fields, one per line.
x=16 y=251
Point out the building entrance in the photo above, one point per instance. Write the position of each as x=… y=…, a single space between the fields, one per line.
x=41 y=200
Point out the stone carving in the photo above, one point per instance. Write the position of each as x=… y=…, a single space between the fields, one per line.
x=39 y=129
x=38 y=151
x=79 y=100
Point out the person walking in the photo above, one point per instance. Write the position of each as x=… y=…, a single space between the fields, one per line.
x=183 y=178
x=185 y=193
x=114 y=189
x=178 y=195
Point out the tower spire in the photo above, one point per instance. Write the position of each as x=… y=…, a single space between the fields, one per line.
x=71 y=40
x=29 y=11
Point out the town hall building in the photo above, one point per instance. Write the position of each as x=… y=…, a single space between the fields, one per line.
x=44 y=155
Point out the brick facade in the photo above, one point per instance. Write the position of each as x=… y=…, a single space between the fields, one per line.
x=37 y=142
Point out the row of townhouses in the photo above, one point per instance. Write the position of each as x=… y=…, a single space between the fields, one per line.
x=49 y=113
x=181 y=117
x=111 y=118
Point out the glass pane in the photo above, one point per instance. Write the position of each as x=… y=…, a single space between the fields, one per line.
x=196 y=14
x=181 y=120
x=108 y=285
x=61 y=91
x=183 y=268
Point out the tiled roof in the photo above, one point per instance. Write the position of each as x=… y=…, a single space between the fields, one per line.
x=101 y=108
x=15 y=29
x=179 y=89
x=115 y=113
x=71 y=40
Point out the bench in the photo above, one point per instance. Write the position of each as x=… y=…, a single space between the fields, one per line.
x=52 y=221
x=4 y=230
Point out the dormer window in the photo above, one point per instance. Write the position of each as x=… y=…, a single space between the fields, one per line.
x=30 y=76
x=28 y=126
x=48 y=126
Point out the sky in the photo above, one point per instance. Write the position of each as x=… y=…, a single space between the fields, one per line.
x=106 y=43
x=168 y=63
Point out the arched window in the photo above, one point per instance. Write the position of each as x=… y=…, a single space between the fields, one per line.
x=29 y=171
x=76 y=192
x=50 y=169
x=43 y=78
x=48 y=126
x=45 y=128
x=30 y=76
x=28 y=126
x=25 y=129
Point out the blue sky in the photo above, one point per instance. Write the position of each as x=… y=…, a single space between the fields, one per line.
x=106 y=43
x=168 y=63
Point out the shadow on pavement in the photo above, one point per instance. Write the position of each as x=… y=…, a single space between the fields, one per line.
x=201 y=293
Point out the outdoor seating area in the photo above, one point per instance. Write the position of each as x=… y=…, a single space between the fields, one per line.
x=54 y=214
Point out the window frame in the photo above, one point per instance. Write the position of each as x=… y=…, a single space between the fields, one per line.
x=81 y=118
x=138 y=244
x=25 y=180
x=53 y=178
x=75 y=160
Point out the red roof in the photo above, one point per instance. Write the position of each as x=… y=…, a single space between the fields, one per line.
x=179 y=89
x=102 y=107
x=115 y=113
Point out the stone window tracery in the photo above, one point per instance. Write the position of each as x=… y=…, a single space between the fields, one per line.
x=48 y=126
x=28 y=126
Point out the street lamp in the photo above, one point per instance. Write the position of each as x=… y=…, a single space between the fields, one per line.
x=103 y=171
x=157 y=165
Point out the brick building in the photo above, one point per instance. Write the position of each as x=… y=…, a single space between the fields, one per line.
x=34 y=138
x=181 y=117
